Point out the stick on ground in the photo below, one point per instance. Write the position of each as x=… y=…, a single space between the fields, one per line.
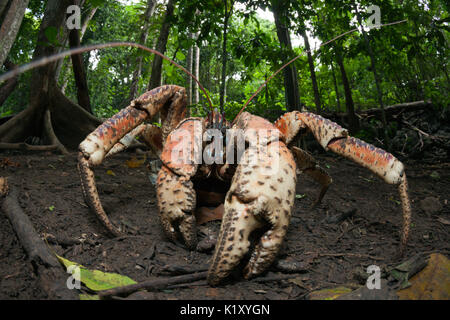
x=156 y=284
x=51 y=274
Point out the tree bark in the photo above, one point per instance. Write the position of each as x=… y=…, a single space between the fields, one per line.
x=336 y=88
x=351 y=115
x=79 y=72
x=195 y=92
x=189 y=64
x=10 y=26
x=292 y=93
x=134 y=88
x=65 y=80
x=155 y=78
x=69 y=122
x=8 y=87
x=312 y=72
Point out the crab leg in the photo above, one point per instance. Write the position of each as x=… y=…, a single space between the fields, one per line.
x=100 y=142
x=151 y=135
x=333 y=137
x=255 y=199
x=382 y=163
x=307 y=164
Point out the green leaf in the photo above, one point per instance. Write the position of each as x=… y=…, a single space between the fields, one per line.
x=96 y=3
x=97 y=280
x=300 y=196
x=51 y=208
x=180 y=55
x=51 y=33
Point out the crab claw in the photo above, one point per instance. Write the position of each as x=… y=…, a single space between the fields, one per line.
x=260 y=196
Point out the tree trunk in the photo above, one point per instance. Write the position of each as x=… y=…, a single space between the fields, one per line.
x=377 y=79
x=352 y=119
x=195 y=92
x=10 y=26
x=313 y=73
x=227 y=17
x=134 y=89
x=189 y=59
x=292 y=93
x=50 y=115
x=8 y=87
x=155 y=78
x=3 y=5
x=65 y=80
x=79 y=73
x=336 y=88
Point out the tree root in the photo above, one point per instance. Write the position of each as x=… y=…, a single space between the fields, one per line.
x=51 y=275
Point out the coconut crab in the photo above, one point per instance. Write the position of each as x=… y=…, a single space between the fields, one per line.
x=254 y=197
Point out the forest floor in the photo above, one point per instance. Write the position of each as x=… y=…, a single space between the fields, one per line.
x=331 y=253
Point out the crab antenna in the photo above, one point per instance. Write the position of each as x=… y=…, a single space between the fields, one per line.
x=292 y=60
x=45 y=60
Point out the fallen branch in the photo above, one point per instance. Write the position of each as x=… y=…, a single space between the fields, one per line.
x=51 y=275
x=156 y=284
x=346 y=254
x=26 y=146
x=390 y=110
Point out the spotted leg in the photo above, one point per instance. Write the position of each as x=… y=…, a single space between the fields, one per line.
x=170 y=99
x=335 y=138
x=307 y=165
x=261 y=195
x=175 y=190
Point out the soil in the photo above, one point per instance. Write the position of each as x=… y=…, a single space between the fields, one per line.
x=332 y=252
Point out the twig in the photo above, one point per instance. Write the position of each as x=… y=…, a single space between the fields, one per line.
x=156 y=284
x=26 y=146
x=275 y=278
x=358 y=255
x=51 y=275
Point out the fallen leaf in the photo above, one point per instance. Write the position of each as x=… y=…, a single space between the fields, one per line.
x=435 y=175
x=135 y=163
x=328 y=294
x=407 y=269
x=97 y=280
x=212 y=292
x=260 y=291
x=204 y=214
x=6 y=162
x=110 y=173
x=432 y=283
x=300 y=196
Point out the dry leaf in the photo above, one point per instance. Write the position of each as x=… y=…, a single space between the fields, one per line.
x=204 y=214
x=135 y=163
x=329 y=294
x=432 y=283
x=212 y=292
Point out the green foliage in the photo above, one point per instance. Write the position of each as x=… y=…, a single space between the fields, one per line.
x=411 y=58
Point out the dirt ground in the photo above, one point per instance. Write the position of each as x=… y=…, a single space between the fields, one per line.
x=332 y=252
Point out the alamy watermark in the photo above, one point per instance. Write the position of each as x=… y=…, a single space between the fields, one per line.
x=374 y=280
x=74 y=18
x=74 y=281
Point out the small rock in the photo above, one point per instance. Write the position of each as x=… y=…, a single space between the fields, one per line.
x=430 y=205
